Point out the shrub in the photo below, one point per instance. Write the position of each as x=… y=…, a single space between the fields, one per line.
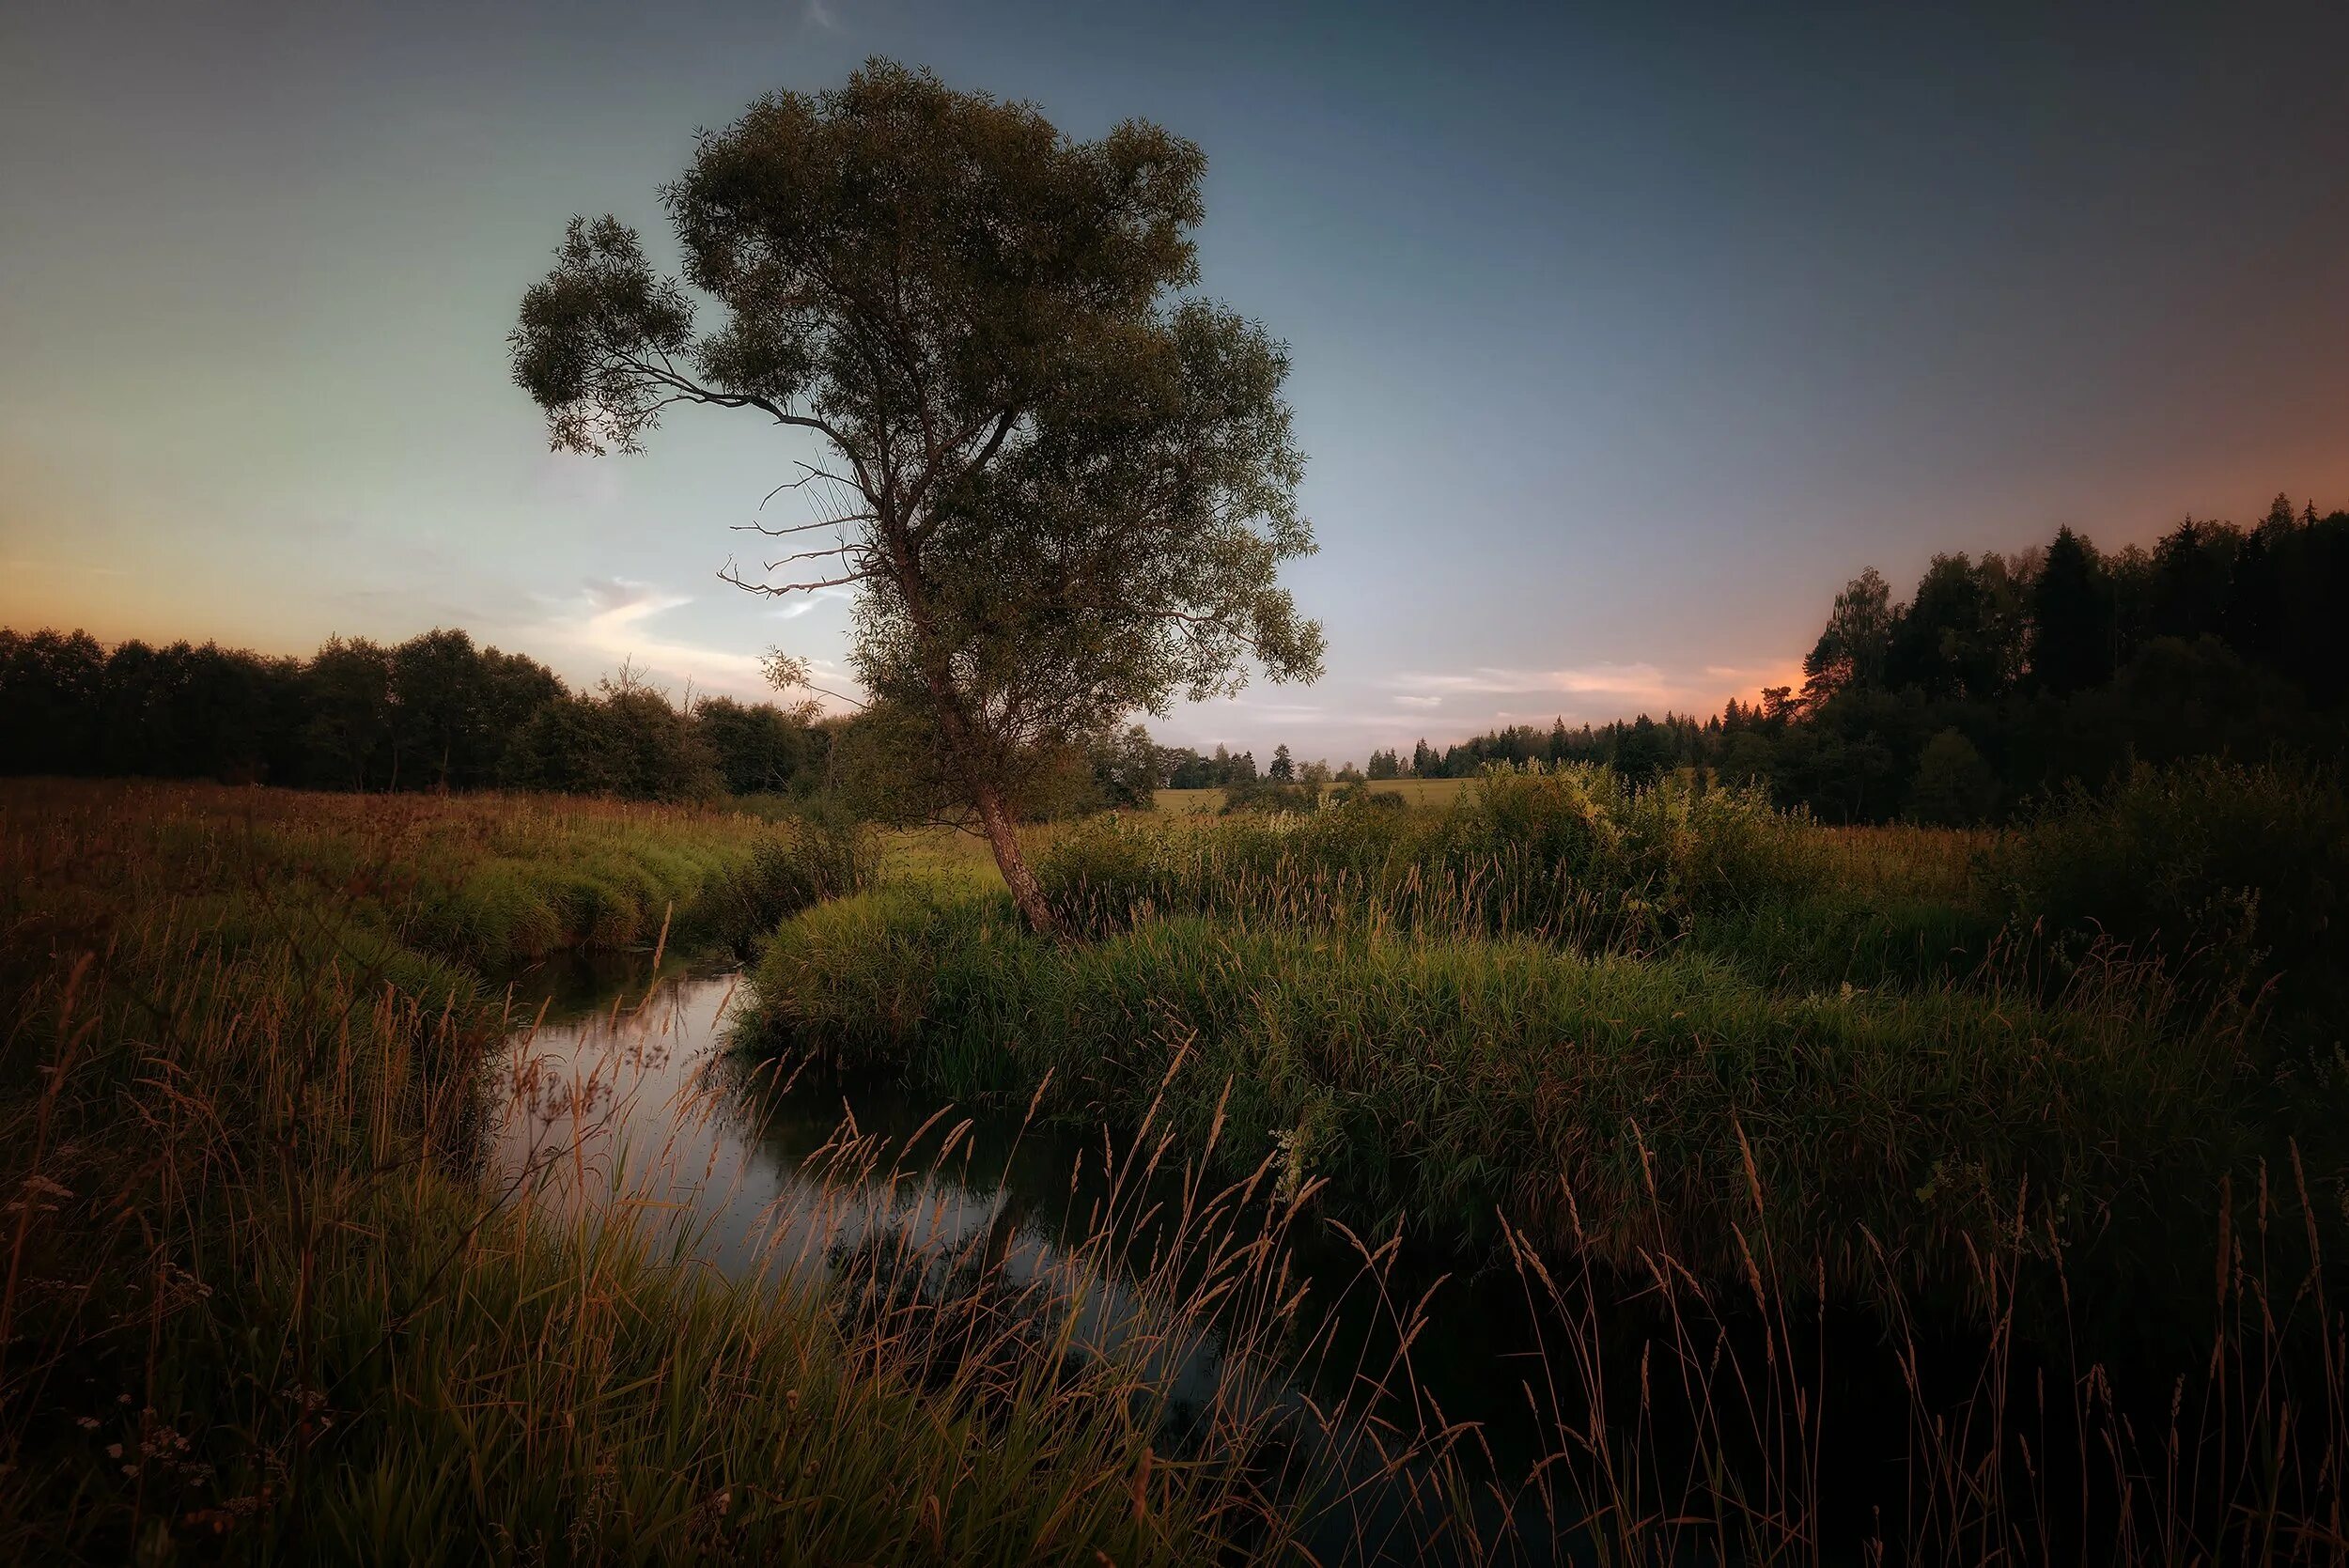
x=1269 y=796
x=2237 y=876
x=820 y=856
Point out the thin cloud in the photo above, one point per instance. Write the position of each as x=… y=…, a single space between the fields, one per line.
x=1642 y=682
x=802 y=604
x=1586 y=692
x=608 y=621
x=1286 y=713
x=619 y=600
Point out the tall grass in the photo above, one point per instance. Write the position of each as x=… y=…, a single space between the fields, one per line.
x=1744 y=1423
x=486 y=881
x=258 y=1303
x=1795 y=1091
x=2238 y=876
x=1575 y=856
x=1455 y=1081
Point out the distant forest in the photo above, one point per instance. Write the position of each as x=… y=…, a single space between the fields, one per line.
x=2001 y=679
x=440 y=712
x=2004 y=678
x=436 y=712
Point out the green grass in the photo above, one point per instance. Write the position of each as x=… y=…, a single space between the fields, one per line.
x=487 y=881
x=256 y=1307
x=1731 y=1066
x=1564 y=995
x=2237 y=877
x=1464 y=1082
x=1768 y=1117
x=1424 y=794
x=1573 y=857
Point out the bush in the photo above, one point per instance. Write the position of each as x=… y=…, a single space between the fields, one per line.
x=1357 y=791
x=1269 y=796
x=2236 y=876
x=817 y=858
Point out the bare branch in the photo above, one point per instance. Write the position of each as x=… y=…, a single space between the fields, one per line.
x=809 y=555
x=811 y=475
x=686 y=390
x=730 y=573
x=799 y=528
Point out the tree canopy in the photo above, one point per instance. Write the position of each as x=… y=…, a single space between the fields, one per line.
x=1059 y=490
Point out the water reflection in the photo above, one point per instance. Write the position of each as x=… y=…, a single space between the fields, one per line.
x=632 y=1106
x=621 y=1099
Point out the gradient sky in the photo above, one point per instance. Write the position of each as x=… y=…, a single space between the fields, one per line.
x=1619 y=344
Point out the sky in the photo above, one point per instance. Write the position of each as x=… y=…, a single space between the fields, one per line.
x=1621 y=338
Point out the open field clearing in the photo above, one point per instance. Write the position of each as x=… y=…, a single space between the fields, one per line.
x=1432 y=794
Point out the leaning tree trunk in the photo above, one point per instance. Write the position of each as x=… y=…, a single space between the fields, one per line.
x=965 y=757
x=1004 y=838
x=987 y=796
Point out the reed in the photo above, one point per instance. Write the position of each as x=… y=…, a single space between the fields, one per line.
x=1573 y=857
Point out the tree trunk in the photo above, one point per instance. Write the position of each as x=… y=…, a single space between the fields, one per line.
x=964 y=756
x=1004 y=838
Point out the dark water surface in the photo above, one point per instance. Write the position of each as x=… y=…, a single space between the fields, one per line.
x=621 y=1097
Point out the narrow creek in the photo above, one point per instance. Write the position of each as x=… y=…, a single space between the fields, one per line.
x=616 y=1095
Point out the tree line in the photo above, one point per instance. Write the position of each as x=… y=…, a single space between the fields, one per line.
x=2002 y=678
x=441 y=712
x=436 y=712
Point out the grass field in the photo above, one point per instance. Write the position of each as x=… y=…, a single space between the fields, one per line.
x=1705 y=1080
x=1680 y=1039
x=1431 y=793
x=254 y=1307
x=1560 y=998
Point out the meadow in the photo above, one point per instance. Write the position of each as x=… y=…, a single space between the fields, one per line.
x=258 y=1303
x=1422 y=793
x=1884 y=1194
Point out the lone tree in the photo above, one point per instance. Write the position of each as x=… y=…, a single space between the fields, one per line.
x=1055 y=488
x=1058 y=492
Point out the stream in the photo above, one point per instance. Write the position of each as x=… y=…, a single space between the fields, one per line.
x=616 y=1095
